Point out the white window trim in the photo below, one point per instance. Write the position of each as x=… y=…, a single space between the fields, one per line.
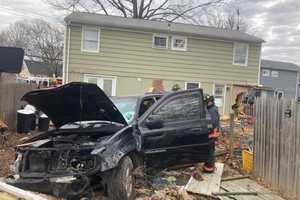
x=263 y=70
x=247 y=54
x=82 y=38
x=114 y=82
x=160 y=35
x=185 y=84
x=179 y=37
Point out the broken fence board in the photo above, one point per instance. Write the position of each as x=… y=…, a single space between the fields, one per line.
x=210 y=184
x=23 y=194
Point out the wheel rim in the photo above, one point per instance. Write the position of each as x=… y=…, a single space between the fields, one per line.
x=128 y=182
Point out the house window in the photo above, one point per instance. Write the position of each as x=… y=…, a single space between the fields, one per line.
x=240 y=54
x=275 y=74
x=179 y=43
x=107 y=84
x=265 y=72
x=160 y=41
x=191 y=85
x=219 y=94
x=90 y=39
x=279 y=94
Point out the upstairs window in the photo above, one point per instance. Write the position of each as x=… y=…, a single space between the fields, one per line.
x=179 y=43
x=240 y=54
x=160 y=41
x=275 y=74
x=90 y=39
x=265 y=72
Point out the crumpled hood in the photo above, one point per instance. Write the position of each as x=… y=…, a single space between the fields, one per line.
x=74 y=102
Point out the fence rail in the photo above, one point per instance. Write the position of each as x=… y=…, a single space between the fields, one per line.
x=277 y=144
x=10 y=95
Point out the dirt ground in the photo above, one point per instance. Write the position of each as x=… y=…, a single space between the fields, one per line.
x=167 y=184
x=7 y=152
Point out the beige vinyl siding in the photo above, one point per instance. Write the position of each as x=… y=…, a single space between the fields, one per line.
x=130 y=54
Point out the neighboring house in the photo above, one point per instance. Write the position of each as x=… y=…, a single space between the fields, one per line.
x=124 y=55
x=283 y=77
x=39 y=73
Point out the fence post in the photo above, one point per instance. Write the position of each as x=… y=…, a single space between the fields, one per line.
x=231 y=130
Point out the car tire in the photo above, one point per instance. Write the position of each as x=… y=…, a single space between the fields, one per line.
x=122 y=181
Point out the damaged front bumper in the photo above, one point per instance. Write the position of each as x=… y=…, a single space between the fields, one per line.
x=63 y=186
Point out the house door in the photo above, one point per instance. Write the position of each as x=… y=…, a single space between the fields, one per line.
x=106 y=83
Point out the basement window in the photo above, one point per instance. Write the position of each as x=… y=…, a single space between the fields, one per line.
x=192 y=85
x=179 y=43
x=90 y=39
x=160 y=41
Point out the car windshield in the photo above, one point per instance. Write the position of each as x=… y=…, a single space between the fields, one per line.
x=127 y=107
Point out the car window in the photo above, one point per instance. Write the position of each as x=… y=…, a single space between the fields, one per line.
x=127 y=107
x=145 y=105
x=183 y=108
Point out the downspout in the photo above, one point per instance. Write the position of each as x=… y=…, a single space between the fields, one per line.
x=297 y=85
x=64 y=55
x=68 y=29
x=259 y=66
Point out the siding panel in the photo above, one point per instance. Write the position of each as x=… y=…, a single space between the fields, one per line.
x=124 y=53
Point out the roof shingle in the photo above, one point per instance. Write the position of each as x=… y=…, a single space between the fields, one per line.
x=178 y=28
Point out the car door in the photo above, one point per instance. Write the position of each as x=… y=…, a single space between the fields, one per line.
x=180 y=131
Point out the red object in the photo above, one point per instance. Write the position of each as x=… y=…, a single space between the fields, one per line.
x=214 y=134
x=208 y=168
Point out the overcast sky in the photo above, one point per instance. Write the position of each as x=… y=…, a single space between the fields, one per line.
x=276 y=21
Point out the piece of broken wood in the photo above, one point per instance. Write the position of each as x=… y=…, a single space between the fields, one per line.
x=22 y=194
x=210 y=183
x=234 y=193
x=234 y=178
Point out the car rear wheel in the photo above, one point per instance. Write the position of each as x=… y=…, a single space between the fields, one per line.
x=122 y=181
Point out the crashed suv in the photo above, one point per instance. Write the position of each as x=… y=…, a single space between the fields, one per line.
x=98 y=142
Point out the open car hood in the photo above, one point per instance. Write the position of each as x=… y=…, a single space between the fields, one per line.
x=74 y=102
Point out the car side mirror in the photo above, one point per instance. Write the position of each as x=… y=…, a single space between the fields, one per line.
x=154 y=122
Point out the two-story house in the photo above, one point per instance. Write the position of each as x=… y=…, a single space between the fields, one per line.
x=124 y=55
x=283 y=77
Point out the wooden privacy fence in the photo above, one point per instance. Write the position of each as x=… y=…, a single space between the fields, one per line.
x=277 y=144
x=10 y=95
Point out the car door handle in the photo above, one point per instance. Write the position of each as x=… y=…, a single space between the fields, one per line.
x=196 y=130
x=157 y=136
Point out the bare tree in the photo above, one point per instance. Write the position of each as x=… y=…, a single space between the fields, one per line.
x=40 y=40
x=228 y=20
x=163 y=10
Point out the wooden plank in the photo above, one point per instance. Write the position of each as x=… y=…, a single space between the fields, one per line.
x=26 y=195
x=248 y=185
x=6 y=196
x=210 y=184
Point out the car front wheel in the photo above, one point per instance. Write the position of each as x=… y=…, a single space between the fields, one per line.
x=122 y=181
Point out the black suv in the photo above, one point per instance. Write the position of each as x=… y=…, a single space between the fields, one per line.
x=99 y=141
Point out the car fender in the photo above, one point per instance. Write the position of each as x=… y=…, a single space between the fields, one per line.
x=120 y=144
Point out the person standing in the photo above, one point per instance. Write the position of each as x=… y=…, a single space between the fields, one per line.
x=213 y=135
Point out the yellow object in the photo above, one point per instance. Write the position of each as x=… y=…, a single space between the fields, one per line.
x=247 y=161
